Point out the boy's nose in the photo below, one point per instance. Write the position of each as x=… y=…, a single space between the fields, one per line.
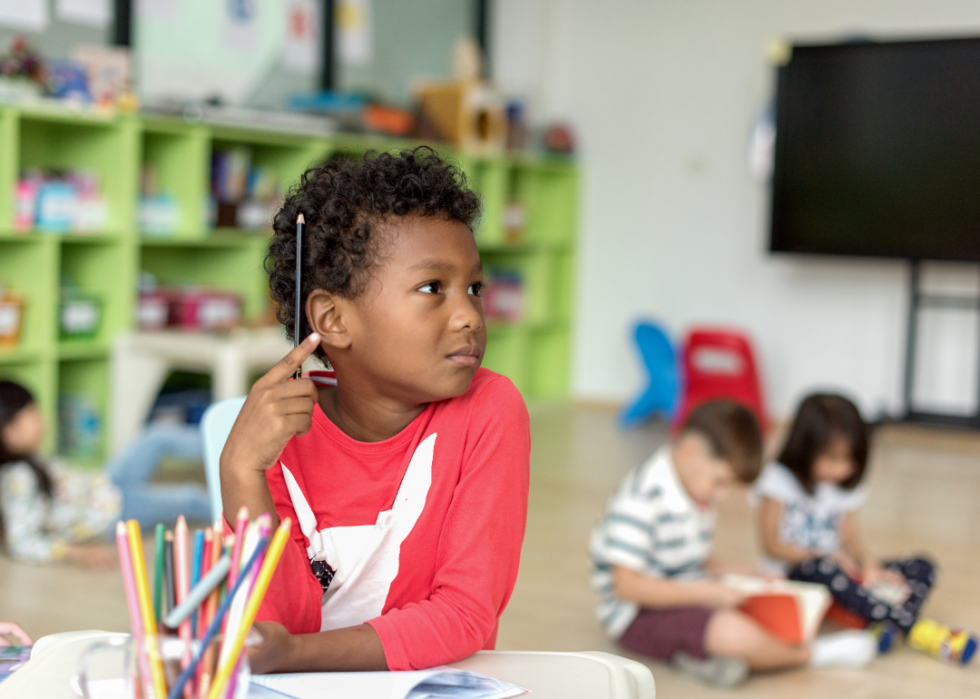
x=468 y=313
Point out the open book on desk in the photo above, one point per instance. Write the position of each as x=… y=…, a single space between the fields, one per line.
x=789 y=610
x=421 y=684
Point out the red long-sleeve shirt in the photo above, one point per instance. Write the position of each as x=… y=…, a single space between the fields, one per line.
x=458 y=565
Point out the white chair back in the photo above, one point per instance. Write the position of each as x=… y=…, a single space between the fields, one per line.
x=215 y=427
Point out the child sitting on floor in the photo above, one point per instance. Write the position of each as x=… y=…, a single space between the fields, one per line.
x=655 y=578
x=405 y=468
x=52 y=512
x=808 y=512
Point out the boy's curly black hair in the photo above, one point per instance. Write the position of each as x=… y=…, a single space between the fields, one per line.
x=344 y=201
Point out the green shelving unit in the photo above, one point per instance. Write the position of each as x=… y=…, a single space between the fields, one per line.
x=534 y=351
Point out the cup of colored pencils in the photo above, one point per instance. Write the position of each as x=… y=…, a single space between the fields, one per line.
x=189 y=632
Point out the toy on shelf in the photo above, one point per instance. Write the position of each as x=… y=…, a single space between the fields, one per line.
x=22 y=72
x=187 y=308
x=244 y=195
x=79 y=426
x=465 y=111
x=60 y=202
x=503 y=296
x=515 y=222
x=11 y=317
x=159 y=211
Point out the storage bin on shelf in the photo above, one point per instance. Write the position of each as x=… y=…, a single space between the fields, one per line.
x=79 y=315
x=11 y=319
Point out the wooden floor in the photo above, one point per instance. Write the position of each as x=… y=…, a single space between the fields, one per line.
x=925 y=496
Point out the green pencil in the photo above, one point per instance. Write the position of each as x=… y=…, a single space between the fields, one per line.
x=158 y=575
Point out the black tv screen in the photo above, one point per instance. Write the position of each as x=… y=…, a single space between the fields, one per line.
x=878 y=150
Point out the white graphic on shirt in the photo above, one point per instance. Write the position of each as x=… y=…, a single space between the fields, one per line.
x=364 y=557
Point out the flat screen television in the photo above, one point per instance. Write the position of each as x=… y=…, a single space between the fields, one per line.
x=877 y=150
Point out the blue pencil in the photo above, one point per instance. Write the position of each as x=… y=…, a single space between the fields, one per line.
x=196 y=571
x=188 y=672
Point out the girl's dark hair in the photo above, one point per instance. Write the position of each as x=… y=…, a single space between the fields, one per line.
x=821 y=418
x=13 y=399
x=344 y=202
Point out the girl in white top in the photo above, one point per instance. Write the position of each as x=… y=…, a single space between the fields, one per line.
x=808 y=505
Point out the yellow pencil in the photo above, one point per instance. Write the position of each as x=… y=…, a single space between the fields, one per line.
x=146 y=608
x=251 y=608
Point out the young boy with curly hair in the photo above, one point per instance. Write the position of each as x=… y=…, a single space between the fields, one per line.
x=405 y=468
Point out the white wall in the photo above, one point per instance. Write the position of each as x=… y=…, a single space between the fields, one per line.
x=663 y=95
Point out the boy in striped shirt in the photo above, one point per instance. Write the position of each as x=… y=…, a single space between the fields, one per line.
x=657 y=583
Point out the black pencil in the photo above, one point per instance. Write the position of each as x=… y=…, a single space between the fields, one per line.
x=300 y=222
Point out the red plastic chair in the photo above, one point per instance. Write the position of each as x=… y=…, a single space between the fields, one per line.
x=720 y=363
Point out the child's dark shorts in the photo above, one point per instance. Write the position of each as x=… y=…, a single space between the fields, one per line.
x=662 y=632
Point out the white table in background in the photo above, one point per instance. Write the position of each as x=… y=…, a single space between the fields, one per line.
x=141 y=362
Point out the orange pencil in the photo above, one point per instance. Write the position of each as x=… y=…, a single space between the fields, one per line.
x=205 y=669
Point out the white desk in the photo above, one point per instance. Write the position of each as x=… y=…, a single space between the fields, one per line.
x=141 y=362
x=590 y=675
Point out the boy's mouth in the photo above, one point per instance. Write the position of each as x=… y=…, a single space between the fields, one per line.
x=466 y=356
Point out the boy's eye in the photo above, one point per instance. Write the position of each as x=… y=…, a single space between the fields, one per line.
x=430 y=288
x=476 y=289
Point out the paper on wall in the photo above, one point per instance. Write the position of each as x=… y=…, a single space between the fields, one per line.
x=241 y=21
x=30 y=15
x=94 y=13
x=156 y=9
x=300 y=51
x=353 y=26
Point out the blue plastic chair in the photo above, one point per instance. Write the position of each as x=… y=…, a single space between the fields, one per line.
x=215 y=427
x=663 y=390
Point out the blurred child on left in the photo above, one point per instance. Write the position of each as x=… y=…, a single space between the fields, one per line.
x=51 y=512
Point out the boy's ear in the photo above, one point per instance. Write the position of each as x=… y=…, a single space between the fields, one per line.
x=325 y=313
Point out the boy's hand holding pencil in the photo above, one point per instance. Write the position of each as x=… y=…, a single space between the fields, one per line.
x=277 y=409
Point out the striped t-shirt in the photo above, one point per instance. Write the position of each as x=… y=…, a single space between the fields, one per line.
x=651 y=525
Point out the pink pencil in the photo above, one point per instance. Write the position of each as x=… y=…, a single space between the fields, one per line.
x=132 y=603
x=241 y=521
x=204 y=567
x=182 y=588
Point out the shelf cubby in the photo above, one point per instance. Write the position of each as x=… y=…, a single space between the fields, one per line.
x=177 y=155
x=105 y=147
x=233 y=267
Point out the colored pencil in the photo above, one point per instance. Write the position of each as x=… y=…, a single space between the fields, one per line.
x=207 y=584
x=205 y=669
x=181 y=573
x=251 y=609
x=206 y=566
x=168 y=569
x=264 y=527
x=158 y=574
x=234 y=616
x=241 y=521
x=132 y=603
x=146 y=610
x=196 y=572
x=215 y=626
